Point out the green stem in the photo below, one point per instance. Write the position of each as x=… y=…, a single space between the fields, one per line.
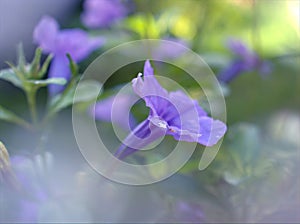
x=292 y=55
x=32 y=104
x=43 y=139
x=255 y=27
x=196 y=45
x=23 y=123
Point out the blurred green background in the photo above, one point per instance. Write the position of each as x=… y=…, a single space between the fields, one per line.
x=255 y=176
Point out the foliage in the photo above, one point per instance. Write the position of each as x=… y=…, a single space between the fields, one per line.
x=254 y=177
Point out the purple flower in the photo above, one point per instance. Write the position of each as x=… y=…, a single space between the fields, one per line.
x=188 y=212
x=28 y=193
x=245 y=61
x=76 y=42
x=183 y=212
x=104 y=110
x=165 y=50
x=171 y=113
x=102 y=13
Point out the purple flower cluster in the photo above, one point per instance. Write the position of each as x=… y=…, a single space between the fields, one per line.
x=245 y=61
x=76 y=42
x=102 y=13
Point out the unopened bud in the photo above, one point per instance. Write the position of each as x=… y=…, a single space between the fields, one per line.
x=6 y=173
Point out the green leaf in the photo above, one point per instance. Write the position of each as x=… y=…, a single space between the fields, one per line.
x=45 y=66
x=35 y=64
x=45 y=82
x=245 y=142
x=188 y=189
x=21 y=58
x=62 y=100
x=10 y=76
x=244 y=149
x=73 y=66
x=86 y=91
x=182 y=186
x=12 y=117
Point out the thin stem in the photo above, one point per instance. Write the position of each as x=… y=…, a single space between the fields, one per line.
x=44 y=138
x=32 y=104
x=24 y=124
x=291 y=55
x=255 y=27
x=201 y=26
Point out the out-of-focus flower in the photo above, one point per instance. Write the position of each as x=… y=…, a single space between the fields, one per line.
x=246 y=60
x=168 y=51
x=43 y=194
x=103 y=110
x=188 y=212
x=102 y=13
x=76 y=42
x=184 y=212
x=171 y=113
x=29 y=194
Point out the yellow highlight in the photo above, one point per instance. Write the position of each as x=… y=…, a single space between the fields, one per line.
x=184 y=28
x=145 y=26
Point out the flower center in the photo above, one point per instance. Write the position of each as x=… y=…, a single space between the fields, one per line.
x=162 y=124
x=157 y=121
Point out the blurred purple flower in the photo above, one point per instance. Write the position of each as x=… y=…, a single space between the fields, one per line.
x=171 y=113
x=104 y=110
x=183 y=212
x=245 y=61
x=188 y=212
x=165 y=50
x=76 y=42
x=30 y=194
x=102 y=13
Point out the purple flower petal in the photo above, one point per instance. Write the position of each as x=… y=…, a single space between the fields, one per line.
x=145 y=133
x=102 y=13
x=184 y=125
x=59 y=68
x=238 y=47
x=119 y=105
x=184 y=104
x=45 y=34
x=246 y=61
x=150 y=90
x=165 y=50
x=232 y=71
x=188 y=212
x=211 y=131
x=77 y=43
